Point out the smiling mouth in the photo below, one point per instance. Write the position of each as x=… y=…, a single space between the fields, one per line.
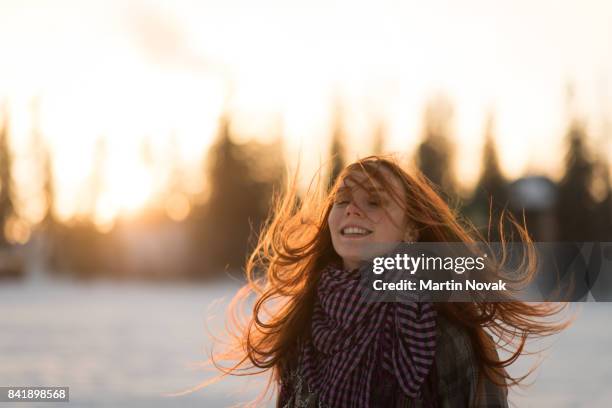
x=355 y=232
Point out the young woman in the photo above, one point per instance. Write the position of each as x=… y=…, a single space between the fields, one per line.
x=324 y=346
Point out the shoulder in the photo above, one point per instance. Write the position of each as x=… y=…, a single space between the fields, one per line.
x=456 y=363
x=453 y=340
x=459 y=381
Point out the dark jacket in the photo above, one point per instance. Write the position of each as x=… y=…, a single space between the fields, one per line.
x=453 y=381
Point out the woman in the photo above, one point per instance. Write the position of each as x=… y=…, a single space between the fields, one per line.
x=326 y=347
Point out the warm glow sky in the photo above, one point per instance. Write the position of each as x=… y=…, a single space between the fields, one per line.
x=158 y=72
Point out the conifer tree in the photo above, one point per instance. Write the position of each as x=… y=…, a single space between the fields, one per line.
x=576 y=205
x=491 y=192
x=7 y=208
x=435 y=153
x=240 y=179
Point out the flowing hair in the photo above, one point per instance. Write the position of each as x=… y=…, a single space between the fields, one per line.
x=295 y=245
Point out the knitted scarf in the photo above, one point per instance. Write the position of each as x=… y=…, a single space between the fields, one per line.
x=351 y=337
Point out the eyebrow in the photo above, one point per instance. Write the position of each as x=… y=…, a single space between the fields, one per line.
x=369 y=189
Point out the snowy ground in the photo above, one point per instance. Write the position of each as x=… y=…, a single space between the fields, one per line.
x=125 y=345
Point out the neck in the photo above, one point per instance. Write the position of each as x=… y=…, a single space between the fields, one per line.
x=350 y=265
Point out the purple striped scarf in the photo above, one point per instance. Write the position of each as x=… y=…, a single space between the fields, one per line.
x=350 y=337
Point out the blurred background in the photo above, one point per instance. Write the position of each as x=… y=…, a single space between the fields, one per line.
x=141 y=141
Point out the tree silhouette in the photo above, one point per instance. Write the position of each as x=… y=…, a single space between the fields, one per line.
x=434 y=156
x=604 y=207
x=48 y=228
x=240 y=180
x=491 y=192
x=48 y=188
x=7 y=208
x=42 y=153
x=576 y=205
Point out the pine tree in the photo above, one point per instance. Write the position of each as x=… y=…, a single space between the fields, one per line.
x=604 y=207
x=576 y=205
x=7 y=208
x=48 y=227
x=240 y=182
x=435 y=153
x=491 y=192
x=42 y=153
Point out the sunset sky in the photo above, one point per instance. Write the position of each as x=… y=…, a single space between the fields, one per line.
x=154 y=76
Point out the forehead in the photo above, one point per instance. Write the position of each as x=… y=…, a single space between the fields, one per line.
x=380 y=181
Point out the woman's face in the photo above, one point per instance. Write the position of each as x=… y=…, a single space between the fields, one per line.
x=365 y=221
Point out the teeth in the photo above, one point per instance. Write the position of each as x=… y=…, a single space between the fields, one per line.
x=355 y=231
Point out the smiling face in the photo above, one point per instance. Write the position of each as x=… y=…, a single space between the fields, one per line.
x=365 y=220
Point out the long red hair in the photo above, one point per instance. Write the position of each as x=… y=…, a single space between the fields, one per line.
x=295 y=245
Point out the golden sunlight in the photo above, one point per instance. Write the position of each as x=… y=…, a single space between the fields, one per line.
x=131 y=96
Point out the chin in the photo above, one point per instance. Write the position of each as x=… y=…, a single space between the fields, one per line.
x=352 y=257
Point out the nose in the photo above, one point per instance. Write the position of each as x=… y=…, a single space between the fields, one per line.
x=352 y=209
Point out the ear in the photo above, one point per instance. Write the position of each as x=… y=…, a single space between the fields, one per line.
x=411 y=234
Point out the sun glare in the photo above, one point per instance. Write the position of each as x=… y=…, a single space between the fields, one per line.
x=151 y=84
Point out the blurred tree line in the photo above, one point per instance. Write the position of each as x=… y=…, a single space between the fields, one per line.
x=576 y=208
x=241 y=179
x=222 y=225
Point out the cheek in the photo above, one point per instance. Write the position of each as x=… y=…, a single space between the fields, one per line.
x=392 y=228
x=333 y=221
x=387 y=232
